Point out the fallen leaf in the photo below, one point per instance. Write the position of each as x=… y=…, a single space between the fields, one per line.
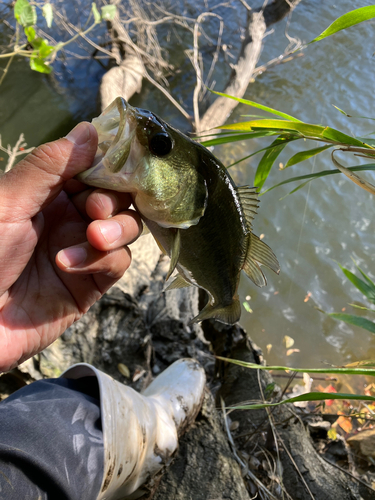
x=261 y=236
x=124 y=370
x=343 y=309
x=288 y=341
x=276 y=293
x=291 y=351
x=345 y=424
x=268 y=347
x=307 y=297
x=332 y=434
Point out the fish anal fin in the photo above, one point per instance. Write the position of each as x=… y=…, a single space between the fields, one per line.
x=254 y=272
x=262 y=253
x=175 y=252
x=178 y=282
x=229 y=314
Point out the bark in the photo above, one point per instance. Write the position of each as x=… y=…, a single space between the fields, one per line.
x=243 y=71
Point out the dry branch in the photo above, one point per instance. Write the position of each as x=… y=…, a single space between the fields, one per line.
x=244 y=70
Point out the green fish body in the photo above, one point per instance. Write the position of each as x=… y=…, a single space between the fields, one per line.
x=187 y=200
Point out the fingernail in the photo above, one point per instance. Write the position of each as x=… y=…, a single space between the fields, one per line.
x=80 y=134
x=72 y=257
x=111 y=230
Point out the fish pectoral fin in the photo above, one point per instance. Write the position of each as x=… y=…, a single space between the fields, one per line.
x=175 y=252
x=259 y=253
x=145 y=230
x=178 y=282
x=229 y=314
x=249 y=202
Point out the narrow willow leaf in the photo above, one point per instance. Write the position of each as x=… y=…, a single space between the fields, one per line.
x=310 y=396
x=367 y=289
x=337 y=370
x=351 y=319
x=235 y=138
x=257 y=105
x=109 y=12
x=47 y=12
x=323 y=173
x=97 y=16
x=364 y=362
x=268 y=159
x=347 y=20
x=305 y=155
x=369 y=280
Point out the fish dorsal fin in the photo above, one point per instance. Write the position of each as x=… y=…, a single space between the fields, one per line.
x=175 y=251
x=249 y=202
x=178 y=282
x=259 y=253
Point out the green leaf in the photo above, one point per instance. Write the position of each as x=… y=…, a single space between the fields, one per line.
x=235 y=137
x=347 y=20
x=352 y=116
x=305 y=155
x=369 y=280
x=323 y=173
x=367 y=140
x=25 y=13
x=38 y=64
x=306 y=130
x=256 y=105
x=363 y=308
x=47 y=12
x=310 y=396
x=338 y=370
x=30 y=33
x=268 y=159
x=42 y=48
x=109 y=12
x=97 y=16
x=354 y=320
x=368 y=289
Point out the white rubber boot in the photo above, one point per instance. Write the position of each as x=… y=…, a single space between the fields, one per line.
x=140 y=431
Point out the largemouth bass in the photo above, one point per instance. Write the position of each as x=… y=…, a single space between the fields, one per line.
x=188 y=201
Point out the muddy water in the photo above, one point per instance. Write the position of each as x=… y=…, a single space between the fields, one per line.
x=329 y=220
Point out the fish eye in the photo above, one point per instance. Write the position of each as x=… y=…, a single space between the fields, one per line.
x=160 y=144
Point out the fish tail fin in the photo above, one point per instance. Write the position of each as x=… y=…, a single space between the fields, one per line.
x=259 y=253
x=229 y=314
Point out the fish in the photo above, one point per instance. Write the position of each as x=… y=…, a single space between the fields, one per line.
x=189 y=202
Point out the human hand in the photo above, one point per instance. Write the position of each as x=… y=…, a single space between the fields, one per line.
x=62 y=244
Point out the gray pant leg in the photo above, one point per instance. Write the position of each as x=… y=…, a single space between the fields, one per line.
x=51 y=441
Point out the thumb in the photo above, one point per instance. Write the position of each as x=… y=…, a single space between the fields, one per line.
x=36 y=180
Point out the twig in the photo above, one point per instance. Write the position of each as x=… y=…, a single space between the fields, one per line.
x=15 y=151
x=348 y=473
x=243 y=465
x=367 y=186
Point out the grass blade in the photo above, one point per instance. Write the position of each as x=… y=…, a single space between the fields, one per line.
x=310 y=396
x=352 y=319
x=347 y=20
x=257 y=105
x=347 y=370
x=236 y=137
x=323 y=173
x=367 y=289
x=307 y=130
x=268 y=159
x=305 y=155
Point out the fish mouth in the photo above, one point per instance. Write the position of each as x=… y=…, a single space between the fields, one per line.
x=116 y=128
